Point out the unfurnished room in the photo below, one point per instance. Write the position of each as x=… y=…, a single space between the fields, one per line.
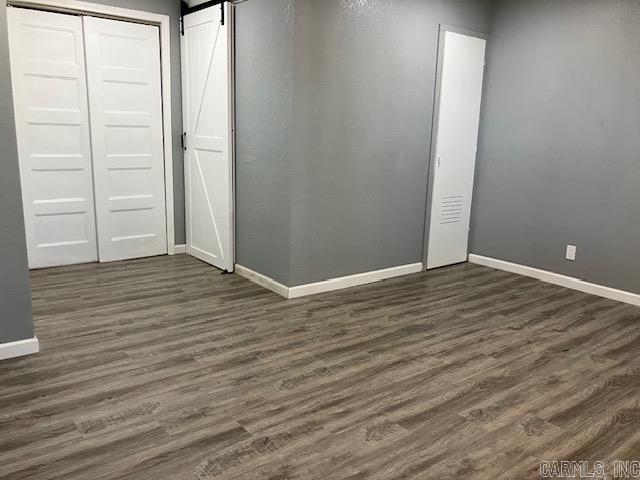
x=319 y=239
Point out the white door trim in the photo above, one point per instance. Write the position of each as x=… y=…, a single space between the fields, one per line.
x=162 y=21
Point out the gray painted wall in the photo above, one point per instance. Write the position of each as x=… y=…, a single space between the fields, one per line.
x=264 y=99
x=364 y=86
x=15 y=294
x=333 y=111
x=559 y=157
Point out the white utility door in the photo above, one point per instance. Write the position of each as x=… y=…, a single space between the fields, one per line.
x=207 y=118
x=123 y=72
x=455 y=149
x=52 y=125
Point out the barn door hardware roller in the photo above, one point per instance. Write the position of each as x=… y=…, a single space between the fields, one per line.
x=185 y=9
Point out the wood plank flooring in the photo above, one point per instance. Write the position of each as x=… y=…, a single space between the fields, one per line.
x=164 y=368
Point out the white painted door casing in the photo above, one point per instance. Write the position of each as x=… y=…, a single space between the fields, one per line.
x=52 y=126
x=124 y=82
x=207 y=107
x=455 y=149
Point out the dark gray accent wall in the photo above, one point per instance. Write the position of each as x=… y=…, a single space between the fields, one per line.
x=15 y=293
x=559 y=152
x=364 y=90
x=264 y=99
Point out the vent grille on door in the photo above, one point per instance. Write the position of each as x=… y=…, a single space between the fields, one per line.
x=451 y=209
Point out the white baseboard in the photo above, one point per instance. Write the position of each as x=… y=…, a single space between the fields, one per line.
x=353 y=280
x=557 y=279
x=19 y=348
x=327 y=285
x=262 y=280
x=180 y=249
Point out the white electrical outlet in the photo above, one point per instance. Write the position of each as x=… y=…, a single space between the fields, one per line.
x=571 y=252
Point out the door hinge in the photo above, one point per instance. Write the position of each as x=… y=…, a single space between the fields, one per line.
x=222 y=13
x=181 y=26
x=184 y=141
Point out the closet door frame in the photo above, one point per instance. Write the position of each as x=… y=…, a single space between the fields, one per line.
x=138 y=16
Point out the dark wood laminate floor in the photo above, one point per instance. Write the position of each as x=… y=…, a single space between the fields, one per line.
x=163 y=368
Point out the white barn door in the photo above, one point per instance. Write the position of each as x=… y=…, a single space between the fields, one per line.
x=206 y=96
x=123 y=71
x=455 y=149
x=52 y=125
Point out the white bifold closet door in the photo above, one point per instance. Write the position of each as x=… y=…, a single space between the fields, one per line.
x=455 y=149
x=206 y=101
x=52 y=125
x=90 y=142
x=123 y=73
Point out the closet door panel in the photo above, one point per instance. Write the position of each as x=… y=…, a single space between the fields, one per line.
x=456 y=146
x=123 y=70
x=207 y=107
x=52 y=126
